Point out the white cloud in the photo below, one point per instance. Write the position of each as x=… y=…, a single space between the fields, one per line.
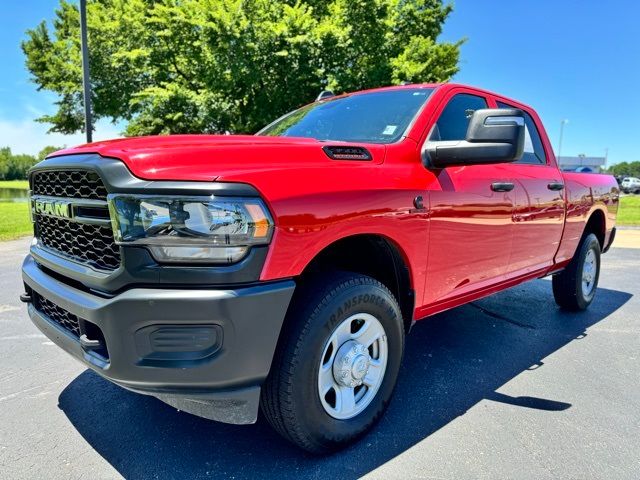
x=28 y=136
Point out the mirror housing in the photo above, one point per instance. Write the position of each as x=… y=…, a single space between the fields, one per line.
x=494 y=135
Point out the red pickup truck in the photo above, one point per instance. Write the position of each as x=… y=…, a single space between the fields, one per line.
x=221 y=274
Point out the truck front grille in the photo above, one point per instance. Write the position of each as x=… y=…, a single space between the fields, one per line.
x=90 y=243
x=68 y=184
x=57 y=314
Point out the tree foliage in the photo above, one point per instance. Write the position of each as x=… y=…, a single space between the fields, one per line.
x=626 y=169
x=15 y=166
x=49 y=149
x=176 y=66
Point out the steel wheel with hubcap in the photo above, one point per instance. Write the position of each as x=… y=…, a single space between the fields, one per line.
x=352 y=366
x=575 y=287
x=336 y=367
x=588 y=273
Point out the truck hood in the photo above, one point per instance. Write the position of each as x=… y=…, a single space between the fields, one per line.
x=210 y=157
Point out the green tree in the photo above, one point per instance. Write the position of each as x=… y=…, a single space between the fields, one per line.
x=14 y=167
x=176 y=66
x=626 y=169
x=42 y=154
x=19 y=166
x=5 y=156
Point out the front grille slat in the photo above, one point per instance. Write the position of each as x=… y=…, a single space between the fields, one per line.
x=57 y=314
x=88 y=243
x=69 y=184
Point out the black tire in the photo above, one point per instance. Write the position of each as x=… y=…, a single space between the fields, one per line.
x=290 y=400
x=567 y=285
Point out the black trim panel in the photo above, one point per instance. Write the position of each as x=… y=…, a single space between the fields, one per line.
x=612 y=237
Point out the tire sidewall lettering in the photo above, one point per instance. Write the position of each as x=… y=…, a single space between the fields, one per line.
x=365 y=300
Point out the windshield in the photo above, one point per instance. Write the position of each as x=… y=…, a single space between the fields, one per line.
x=376 y=117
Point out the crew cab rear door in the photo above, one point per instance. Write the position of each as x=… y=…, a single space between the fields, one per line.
x=539 y=212
x=471 y=216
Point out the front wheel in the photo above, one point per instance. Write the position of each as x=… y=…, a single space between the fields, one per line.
x=575 y=287
x=336 y=368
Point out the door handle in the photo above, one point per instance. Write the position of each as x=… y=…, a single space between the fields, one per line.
x=502 y=186
x=555 y=186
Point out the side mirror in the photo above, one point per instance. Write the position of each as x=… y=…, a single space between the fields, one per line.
x=493 y=136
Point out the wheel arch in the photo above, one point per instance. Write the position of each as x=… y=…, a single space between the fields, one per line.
x=374 y=255
x=596 y=224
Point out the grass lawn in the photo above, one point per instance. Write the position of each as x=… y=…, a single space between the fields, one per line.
x=14 y=220
x=21 y=184
x=629 y=212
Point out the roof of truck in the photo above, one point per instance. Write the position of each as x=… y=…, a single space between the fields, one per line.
x=439 y=86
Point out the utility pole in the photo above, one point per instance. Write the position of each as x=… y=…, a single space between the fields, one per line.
x=86 y=85
x=562 y=124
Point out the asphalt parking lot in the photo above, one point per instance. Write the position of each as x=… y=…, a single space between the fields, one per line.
x=506 y=387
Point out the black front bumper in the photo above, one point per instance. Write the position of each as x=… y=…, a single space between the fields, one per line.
x=205 y=351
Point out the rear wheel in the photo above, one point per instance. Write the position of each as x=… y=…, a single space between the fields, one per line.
x=575 y=287
x=336 y=368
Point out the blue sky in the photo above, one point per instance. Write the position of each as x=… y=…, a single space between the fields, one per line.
x=575 y=60
x=20 y=102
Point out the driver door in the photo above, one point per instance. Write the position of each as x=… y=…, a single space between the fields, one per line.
x=471 y=216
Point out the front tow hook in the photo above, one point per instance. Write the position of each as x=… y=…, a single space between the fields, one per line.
x=26 y=298
x=89 y=344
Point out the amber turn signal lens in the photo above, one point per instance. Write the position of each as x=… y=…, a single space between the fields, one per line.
x=260 y=221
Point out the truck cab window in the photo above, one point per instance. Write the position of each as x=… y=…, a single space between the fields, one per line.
x=533 y=149
x=373 y=117
x=454 y=119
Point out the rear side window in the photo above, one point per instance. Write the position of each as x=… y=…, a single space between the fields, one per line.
x=533 y=149
x=454 y=119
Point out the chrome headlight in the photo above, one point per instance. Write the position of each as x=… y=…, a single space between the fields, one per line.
x=177 y=229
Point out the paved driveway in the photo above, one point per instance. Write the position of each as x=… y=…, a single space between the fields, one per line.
x=506 y=387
